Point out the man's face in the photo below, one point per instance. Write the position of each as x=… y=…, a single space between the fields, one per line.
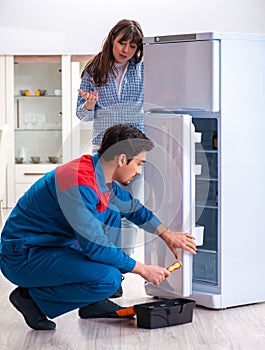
x=124 y=173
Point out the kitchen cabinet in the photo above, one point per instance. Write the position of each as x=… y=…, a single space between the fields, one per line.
x=38 y=108
x=38 y=95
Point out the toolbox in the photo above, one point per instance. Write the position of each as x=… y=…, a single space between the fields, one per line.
x=164 y=313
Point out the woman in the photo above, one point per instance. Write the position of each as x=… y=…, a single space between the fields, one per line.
x=111 y=92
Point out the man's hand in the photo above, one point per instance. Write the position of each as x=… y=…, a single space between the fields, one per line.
x=150 y=273
x=176 y=240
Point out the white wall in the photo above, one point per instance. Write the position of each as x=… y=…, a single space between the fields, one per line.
x=79 y=26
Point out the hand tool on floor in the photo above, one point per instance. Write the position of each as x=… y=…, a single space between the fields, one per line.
x=130 y=311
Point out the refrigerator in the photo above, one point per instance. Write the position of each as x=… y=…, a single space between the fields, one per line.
x=204 y=104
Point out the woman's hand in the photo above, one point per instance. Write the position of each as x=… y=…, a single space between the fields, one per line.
x=150 y=273
x=176 y=240
x=90 y=97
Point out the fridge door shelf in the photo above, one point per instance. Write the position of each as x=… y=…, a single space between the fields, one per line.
x=198 y=137
x=198 y=169
x=198 y=232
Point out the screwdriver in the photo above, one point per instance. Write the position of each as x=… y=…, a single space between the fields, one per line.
x=130 y=310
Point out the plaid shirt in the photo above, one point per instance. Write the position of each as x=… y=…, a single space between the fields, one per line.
x=111 y=108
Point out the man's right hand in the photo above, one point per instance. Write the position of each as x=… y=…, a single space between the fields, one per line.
x=176 y=240
x=154 y=274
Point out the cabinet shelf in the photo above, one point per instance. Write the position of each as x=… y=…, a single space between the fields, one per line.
x=34 y=97
x=37 y=129
x=37 y=164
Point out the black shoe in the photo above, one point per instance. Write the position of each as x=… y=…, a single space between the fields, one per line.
x=30 y=311
x=119 y=292
x=101 y=309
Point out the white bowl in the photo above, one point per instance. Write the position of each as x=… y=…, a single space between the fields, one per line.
x=57 y=92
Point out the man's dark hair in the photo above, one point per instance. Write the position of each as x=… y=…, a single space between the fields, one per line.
x=124 y=139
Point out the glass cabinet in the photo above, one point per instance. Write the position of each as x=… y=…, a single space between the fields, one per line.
x=38 y=108
x=38 y=101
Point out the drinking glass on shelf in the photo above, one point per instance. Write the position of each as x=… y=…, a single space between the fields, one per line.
x=33 y=120
x=42 y=120
x=23 y=153
x=26 y=120
x=59 y=121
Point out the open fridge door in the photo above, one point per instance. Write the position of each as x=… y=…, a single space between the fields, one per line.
x=170 y=193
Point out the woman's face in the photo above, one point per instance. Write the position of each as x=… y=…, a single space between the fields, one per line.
x=123 y=51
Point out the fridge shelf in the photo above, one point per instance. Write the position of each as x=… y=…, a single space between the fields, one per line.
x=209 y=151
x=208 y=206
x=207 y=179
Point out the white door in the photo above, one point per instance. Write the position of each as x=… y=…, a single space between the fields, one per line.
x=182 y=75
x=169 y=192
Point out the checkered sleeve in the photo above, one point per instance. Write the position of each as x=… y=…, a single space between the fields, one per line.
x=81 y=111
x=112 y=108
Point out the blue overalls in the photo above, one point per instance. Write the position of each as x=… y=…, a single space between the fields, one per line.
x=61 y=240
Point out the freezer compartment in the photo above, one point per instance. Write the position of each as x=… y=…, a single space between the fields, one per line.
x=164 y=313
x=190 y=80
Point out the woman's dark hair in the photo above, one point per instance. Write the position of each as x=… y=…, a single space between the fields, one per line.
x=124 y=139
x=99 y=67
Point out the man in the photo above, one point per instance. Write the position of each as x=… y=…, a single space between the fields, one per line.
x=61 y=242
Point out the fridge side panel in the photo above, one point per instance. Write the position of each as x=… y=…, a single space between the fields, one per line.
x=242 y=171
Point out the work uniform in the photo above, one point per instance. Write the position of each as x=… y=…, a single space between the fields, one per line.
x=62 y=238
